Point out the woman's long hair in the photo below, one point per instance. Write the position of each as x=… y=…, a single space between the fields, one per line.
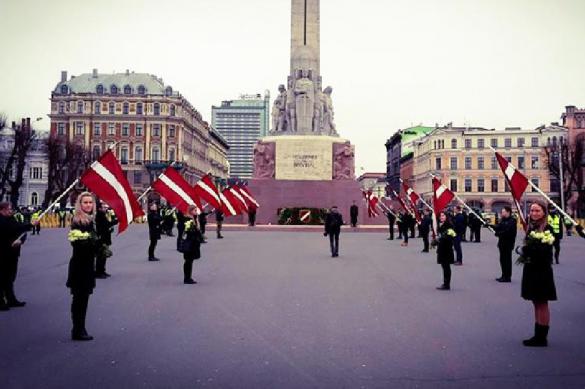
x=195 y=218
x=80 y=217
x=538 y=225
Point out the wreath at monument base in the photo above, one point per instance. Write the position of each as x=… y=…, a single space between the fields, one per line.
x=301 y=216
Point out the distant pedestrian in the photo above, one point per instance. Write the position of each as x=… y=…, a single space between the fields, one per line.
x=406 y=220
x=444 y=242
x=252 y=216
x=333 y=223
x=104 y=224
x=155 y=222
x=555 y=222
x=353 y=214
x=191 y=244
x=203 y=222
x=424 y=229
x=506 y=232
x=459 y=225
x=391 y=220
x=219 y=222
x=62 y=217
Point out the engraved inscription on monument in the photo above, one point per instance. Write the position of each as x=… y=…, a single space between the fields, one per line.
x=304 y=159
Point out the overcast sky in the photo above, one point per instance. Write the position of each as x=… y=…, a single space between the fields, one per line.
x=392 y=63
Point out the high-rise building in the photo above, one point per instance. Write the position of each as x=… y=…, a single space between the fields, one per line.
x=242 y=122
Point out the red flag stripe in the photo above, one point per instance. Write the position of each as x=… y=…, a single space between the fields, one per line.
x=240 y=199
x=108 y=177
x=208 y=191
x=227 y=206
x=246 y=193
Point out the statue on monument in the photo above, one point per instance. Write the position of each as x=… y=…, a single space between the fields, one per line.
x=291 y=118
x=343 y=161
x=327 y=106
x=304 y=91
x=279 y=111
x=264 y=160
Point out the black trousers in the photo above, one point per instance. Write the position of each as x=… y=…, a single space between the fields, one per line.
x=100 y=263
x=391 y=230
x=354 y=221
x=202 y=228
x=151 y=247
x=36 y=229
x=425 y=238
x=8 y=270
x=506 y=262
x=476 y=234
x=180 y=230
x=219 y=225
x=62 y=223
x=78 y=312
x=252 y=219
x=412 y=231
x=334 y=242
x=446 y=274
x=405 y=234
x=557 y=247
x=188 y=269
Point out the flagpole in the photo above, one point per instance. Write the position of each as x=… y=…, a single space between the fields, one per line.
x=406 y=207
x=144 y=194
x=422 y=200
x=469 y=208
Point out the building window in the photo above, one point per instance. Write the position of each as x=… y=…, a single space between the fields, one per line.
x=435 y=145
x=467 y=143
x=114 y=89
x=97 y=129
x=480 y=185
x=171 y=155
x=36 y=173
x=171 y=132
x=494 y=143
x=480 y=143
x=95 y=152
x=139 y=109
x=125 y=129
x=125 y=108
x=61 y=107
x=534 y=142
x=61 y=129
x=468 y=185
x=453 y=163
x=453 y=184
x=172 y=110
x=453 y=143
x=64 y=89
x=535 y=182
x=141 y=90
x=156 y=130
x=99 y=89
x=437 y=163
x=534 y=162
x=34 y=199
x=467 y=163
x=480 y=163
x=442 y=144
x=127 y=90
x=79 y=128
x=138 y=154
x=155 y=154
x=520 y=142
x=494 y=185
x=98 y=108
x=508 y=143
x=156 y=109
x=111 y=108
x=494 y=164
x=521 y=163
x=139 y=130
x=137 y=178
x=124 y=155
x=80 y=107
x=508 y=158
x=111 y=129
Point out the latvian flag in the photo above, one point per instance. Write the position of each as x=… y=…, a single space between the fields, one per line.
x=371 y=203
x=247 y=195
x=229 y=203
x=176 y=190
x=517 y=183
x=106 y=179
x=442 y=196
x=413 y=198
x=206 y=189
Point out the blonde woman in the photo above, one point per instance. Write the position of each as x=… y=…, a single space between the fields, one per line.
x=81 y=277
x=191 y=244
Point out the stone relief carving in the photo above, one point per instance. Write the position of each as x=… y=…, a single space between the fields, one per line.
x=264 y=163
x=343 y=161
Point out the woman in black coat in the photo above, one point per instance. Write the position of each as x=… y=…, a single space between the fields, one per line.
x=538 y=283
x=154 y=230
x=445 y=257
x=191 y=244
x=81 y=277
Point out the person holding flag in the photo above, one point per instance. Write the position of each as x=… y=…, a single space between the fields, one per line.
x=155 y=223
x=425 y=229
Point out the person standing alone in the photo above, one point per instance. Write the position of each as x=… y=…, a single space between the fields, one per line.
x=154 y=230
x=333 y=223
x=506 y=232
x=353 y=214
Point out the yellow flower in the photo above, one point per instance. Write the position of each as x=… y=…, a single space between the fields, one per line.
x=188 y=225
x=451 y=232
x=75 y=235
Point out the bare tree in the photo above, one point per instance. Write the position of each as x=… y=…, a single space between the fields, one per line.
x=569 y=156
x=67 y=160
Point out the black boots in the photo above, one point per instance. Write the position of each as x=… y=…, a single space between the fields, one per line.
x=443 y=287
x=539 y=338
x=80 y=335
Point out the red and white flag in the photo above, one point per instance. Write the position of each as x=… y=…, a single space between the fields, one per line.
x=247 y=195
x=371 y=203
x=517 y=183
x=229 y=203
x=106 y=179
x=412 y=195
x=176 y=190
x=206 y=190
x=442 y=196
x=240 y=202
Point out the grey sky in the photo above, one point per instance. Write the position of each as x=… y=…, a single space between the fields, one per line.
x=392 y=63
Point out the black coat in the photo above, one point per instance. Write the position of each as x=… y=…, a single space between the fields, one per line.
x=538 y=282
x=218 y=216
x=333 y=223
x=391 y=218
x=81 y=276
x=353 y=211
x=103 y=227
x=407 y=221
x=10 y=230
x=192 y=242
x=445 y=253
x=154 y=225
x=506 y=231
x=425 y=225
x=460 y=223
x=203 y=218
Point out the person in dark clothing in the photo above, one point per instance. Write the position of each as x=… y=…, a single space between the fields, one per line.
x=538 y=283
x=475 y=228
x=62 y=217
x=555 y=221
x=81 y=274
x=391 y=220
x=154 y=230
x=191 y=245
x=459 y=225
x=412 y=227
x=425 y=228
x=203 y=222
x=506 y=233
x=104 y=225
x=168 y=215
x=399 y=224
x=10 y=244
x=406 y=220
x=333 y=223
x=353 y=214
x=444 y=242
x=252 y=216
x=219 y=222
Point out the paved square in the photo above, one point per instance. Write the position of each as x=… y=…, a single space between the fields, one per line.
x=274 y=310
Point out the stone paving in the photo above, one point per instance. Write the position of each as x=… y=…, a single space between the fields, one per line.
x=274 y=310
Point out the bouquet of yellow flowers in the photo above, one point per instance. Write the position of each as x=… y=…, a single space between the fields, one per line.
x=451 y=233
x=189 y=225
x=545 y=237
x=75 y=235
x=532 y=239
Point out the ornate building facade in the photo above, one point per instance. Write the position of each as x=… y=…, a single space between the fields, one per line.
x=150 y=124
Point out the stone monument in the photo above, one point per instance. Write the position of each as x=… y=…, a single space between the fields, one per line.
x=303 y=162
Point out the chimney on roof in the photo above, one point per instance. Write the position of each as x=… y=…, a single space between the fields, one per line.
x=94 y=73
x=127 y=72
x=63 y=75
x=28 y=123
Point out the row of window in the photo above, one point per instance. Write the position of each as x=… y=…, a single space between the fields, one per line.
x=155 y=154
x=454 y=163
x=125 y=129
x=114 y=90
x=480 y=144
x=111 y=108
x=480 y=185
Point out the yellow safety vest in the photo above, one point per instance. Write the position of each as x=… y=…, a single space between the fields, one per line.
x=555 y=223
x=35 y=216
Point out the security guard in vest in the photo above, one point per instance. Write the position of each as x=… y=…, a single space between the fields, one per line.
x=62 y=217
x=36 y=222
x=555 y=221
